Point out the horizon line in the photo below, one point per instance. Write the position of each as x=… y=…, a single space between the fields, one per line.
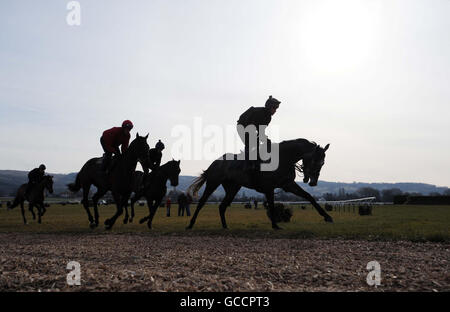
x=353 y=182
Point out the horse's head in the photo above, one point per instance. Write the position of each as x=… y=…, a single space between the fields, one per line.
x=173 y=171
x=140 y=150
x=48 y=183
x=312 y=164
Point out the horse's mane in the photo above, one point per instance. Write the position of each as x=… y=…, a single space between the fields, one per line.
x=298 y=141
x=289 y=143
x=169 y=162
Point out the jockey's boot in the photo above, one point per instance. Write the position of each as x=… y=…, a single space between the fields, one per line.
x=106 y=163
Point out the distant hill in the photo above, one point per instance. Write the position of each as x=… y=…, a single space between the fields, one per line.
x=10 y=180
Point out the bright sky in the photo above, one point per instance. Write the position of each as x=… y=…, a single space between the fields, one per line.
x=369 y=77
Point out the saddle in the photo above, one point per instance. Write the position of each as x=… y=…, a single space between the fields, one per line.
x=112 y=164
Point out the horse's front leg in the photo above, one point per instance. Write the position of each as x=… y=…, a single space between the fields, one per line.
x=39 y=209
x=100 y=193
x=118 y=199
x=270 y=202
x=133 y=200
x=149 y=205
x=153 y=211
x=127 y=217
x=85 y=203
x=23 y=213
x=297 y=190
x=30 y=208
x=121 y=201
x=132 y=212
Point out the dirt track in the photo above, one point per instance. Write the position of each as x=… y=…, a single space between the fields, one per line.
x=139 y=262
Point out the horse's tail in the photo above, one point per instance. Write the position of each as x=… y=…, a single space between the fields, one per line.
x=197 y=184
x=75 y=187
x=18 y=199
x=15 y=203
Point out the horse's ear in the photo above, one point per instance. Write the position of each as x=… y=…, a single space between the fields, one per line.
x=147 y=136
x=179 y=162
x=326 y=147
x=137 y=135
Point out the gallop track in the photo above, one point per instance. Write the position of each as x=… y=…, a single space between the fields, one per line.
x=148 y=262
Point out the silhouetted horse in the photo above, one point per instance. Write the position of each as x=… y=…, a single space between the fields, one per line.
x=35 y=197
x=118 y=181
x=232 y=175
x=155 y=188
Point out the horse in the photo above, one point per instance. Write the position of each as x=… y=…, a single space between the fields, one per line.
x=155 y=188
x=35 y=197
x=232 y=175
x=118 y=180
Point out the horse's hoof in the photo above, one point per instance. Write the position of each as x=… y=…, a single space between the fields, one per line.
x=328 y=219
x=125 y=221
x=107 y=222
x=131 y=221
x=276 y=227
x=141 y=221
x=39 y=221
x=149 y=226
x=189 y=227
x=108 y=227
x=92 y=225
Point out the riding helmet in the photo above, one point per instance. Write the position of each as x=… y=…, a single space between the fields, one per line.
x=272 y=102
x=159 y=145
x=127 y=124
x=42 y=167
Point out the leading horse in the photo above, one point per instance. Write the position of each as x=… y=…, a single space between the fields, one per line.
x=118 y=181
x=231 y=174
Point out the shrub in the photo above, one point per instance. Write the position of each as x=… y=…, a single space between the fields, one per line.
x=281 y=214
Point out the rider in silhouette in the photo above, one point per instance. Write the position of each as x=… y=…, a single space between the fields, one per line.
x=34 y=177
x=112 y=139
x=155 y=155
x=256 y=116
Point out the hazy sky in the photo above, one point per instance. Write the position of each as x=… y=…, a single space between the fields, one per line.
x=372 y=78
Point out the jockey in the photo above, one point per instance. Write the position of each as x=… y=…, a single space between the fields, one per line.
x=34 y=177
x=256 y=116
x=112 y=139
x=155 y=155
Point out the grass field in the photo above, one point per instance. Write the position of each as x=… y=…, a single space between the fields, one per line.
x=388 y=222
